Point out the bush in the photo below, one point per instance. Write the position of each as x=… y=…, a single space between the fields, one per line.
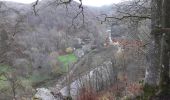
x=69 y=50
x=87 y=94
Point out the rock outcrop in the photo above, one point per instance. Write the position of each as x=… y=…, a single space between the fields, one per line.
x=44 y=94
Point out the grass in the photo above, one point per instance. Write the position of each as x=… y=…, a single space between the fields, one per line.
x=37 y=79
x=66 y=60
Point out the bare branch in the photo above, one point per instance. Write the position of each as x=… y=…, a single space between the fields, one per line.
x=65 y=2
x=160 y=31
x=34 y=7
x=125 y=17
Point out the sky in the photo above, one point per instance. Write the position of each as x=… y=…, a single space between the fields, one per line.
x=99 y=3
x=21 y=1
x=96 y=3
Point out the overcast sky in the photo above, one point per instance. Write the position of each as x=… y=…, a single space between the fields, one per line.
x=96 y=3
x=99 y=3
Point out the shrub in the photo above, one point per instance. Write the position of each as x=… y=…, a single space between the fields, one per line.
x=69 y=50
x=87 y=94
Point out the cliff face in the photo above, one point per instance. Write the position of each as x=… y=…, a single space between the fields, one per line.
x=102 y=72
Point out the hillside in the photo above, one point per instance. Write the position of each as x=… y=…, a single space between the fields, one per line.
x=38 y=42
x=56 y=51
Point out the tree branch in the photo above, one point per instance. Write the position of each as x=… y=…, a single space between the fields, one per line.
x=161 y=31
x=34 y=7
x=125 y=17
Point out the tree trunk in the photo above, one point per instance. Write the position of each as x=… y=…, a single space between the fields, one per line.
x=157 y=74
x=164 y=78
x=153 y=71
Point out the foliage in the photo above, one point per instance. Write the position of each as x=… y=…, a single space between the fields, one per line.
x=4 y=68
x=148 y=92
x=3 y=80
x=87 y=94
x=10 y=83
x=69 y=50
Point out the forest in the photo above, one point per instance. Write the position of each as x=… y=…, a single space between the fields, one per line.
x=67 y=50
